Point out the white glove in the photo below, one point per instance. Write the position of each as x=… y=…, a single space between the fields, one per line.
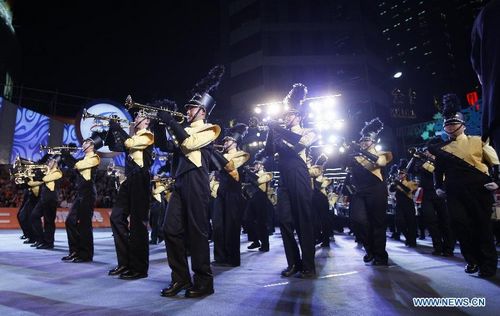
x=441 y=193
x=492 y=186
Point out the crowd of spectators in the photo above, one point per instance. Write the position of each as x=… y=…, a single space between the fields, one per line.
x=11 y=195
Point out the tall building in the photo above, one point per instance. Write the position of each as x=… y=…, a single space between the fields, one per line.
x=332 y=46
x=429 y=42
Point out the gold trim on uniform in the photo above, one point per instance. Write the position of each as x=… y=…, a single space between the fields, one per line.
x=308 y=138
x=384 y=157
x=214 y=186
x=50 y=178
x=200 y=135
x=472 y=150
x=85 y=165
x=412 y=185
x=137 y=143
x=157 y=190
x=263 y=179
x=238 y=157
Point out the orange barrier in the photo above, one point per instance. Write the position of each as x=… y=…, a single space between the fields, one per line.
x=8 y=218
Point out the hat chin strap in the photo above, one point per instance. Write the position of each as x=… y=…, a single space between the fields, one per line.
x=195 y=115
x=456 y=129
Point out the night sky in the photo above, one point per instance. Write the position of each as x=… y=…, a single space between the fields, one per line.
x=109 y=49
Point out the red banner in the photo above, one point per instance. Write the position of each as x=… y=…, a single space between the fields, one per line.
x=8 y=218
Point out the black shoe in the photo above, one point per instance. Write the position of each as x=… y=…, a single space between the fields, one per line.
x=194 y=292
x=36 y=244
x=290 y=270
x=421 y=238
x=264 y=249
x=29 y=241
x=378 y=262
x=486 y=274
x=69 y=257
x=221 y=264
x=117 y=270
x=254 y=245
x=471 y=268
x=132 y=275
x=45 y=246
x=23 y=237
x=368 y=258
x=447 y=254
x=80 y=260
x=152 y=242
x=174 y=288
x=306 y=274
x=325 y=244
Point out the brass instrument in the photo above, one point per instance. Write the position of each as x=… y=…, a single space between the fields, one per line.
x=115 y=171
x=57 y=150
x=166 y=181
x=23 y=168
x=151 y=112
x=103 y=121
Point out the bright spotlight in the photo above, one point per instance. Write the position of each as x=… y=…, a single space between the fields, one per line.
x=311 y=115
x=397 y=75
x=258 y=110
x=342 y=149
x=332 y=139
x=378 y=147
x=328 y=150
x=329 y=102
x=338 y=125
x=273 y=109
x=258 y=134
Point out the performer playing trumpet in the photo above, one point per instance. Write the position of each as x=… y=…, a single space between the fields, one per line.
x=79 y=220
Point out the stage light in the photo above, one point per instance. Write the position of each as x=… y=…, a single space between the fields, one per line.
x=273 y=109
x=332 y=139
x=258 y=110
x=378 y=147
x=328 y=150
x=329 y=102
x=338 y=124
x=342 y=149
x=258 y=134
x=320 y=142
x=397 y=75
x=311 y=115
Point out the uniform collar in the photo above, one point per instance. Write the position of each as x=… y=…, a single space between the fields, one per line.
x=295 y=128
x=142 y=131
x=197 y=123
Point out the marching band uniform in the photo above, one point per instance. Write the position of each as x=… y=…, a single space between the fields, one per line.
x=369 y=201
x=433 y=207
x=46 y=206
x=131 y=242
x=258 y=207
x=30 y=200
x=186 y=218
x=320 y=203
x=295 y=191
x=229 y=204
x=462 y=175
x=157 y=213
x=79 y=220
x=406 y=220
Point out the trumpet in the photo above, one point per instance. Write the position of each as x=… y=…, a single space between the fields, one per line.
x=151 y=112
x=166 y=181
x=57 y=150
x=103 y=121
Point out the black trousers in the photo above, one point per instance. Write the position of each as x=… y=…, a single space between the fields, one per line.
x=46 y=208
x=406 y=221
x=131 y=243
x=79 y=223
x=186 y=219
x=24 y=215
x=324 y=225
x=156 y=217
x=295 y=214
x=470 y=209
x=257 y=212
x=437 y=220
x=227 y=217
x=367 y=214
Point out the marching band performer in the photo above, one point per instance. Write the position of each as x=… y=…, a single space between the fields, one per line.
x=47 y=204
x=160 y=194
x=295 y=191
x=369 y=199
x=229 y=203
x=79 y=220
x=434 y=210
x=186 y=218
x=320 y=201
x=258 y=206
x=462 y=175
x=406 y=221
x=131 y=242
